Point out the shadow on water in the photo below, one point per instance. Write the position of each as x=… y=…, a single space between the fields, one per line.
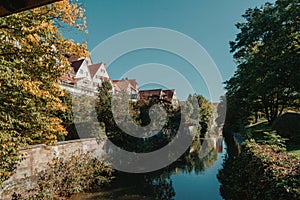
x=192 y=176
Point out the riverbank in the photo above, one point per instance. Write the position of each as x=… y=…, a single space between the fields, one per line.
x=264 y=166
x=263 y=133
x=260 y=172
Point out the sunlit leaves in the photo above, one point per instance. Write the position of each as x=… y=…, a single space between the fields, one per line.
x=31 y=61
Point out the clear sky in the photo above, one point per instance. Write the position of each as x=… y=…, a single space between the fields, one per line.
x=209 y=22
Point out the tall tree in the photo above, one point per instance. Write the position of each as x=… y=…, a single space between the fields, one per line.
x=267 y=53
x=31 y=61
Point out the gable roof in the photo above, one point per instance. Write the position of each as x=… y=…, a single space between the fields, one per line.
x=76 y=64
x=94 y=68
x=133 y=83
x=123 y=84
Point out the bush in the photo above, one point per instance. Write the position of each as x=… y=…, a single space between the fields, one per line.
x=260 y=172
x=288 y=126
x=65 y=177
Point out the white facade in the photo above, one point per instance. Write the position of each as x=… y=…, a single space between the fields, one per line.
x=86 y=78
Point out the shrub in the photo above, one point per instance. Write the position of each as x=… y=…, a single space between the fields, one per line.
x=288 y=126
x=65 y=177
x=260 y=172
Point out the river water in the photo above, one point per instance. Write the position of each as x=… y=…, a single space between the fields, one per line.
x=192 y=177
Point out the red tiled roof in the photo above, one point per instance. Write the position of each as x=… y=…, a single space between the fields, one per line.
x=94 y=68
x=133 y=83
x=153 y=90
x=145 y=94
x=124 y=83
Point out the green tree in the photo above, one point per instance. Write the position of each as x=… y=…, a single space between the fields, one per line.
x=267 y=53
x=103 y=106
x=31 y=57
x=198 y=107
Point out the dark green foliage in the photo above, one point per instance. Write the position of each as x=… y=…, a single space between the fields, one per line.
x=84 y=123
x=131 y=115
x=272 y=138
x=288 y=125
x=65 y=115
x=139 y=115
x=260 y=172
x=267 y=53
x=103 y=105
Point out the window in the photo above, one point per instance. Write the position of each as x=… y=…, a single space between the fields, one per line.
x=133 y=96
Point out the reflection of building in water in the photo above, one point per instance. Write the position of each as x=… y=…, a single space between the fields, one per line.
x=219 y=144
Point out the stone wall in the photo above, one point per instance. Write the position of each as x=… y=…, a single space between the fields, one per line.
x=36 y=159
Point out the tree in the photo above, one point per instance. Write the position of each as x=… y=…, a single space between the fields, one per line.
x=267 y=53
x=199 y=108
x=221 y=112
x=206 y=113
x=32 y=60
x=103 y=106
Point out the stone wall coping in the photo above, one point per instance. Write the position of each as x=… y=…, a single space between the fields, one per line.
x=59 y=143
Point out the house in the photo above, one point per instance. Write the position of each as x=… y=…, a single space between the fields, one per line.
x=130 y=86
x=159 y=94
x=154 y=94
x=170 y=95
x=84 y=77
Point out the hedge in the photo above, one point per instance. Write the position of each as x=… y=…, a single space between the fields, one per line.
x=260 y=172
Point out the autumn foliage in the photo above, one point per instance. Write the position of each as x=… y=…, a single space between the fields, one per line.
x=31 y=61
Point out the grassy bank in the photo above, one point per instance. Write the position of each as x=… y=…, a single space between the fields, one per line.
x=263 y=133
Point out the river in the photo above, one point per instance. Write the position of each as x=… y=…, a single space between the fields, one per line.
x=192 y=177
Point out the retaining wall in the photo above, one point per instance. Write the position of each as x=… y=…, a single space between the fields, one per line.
x=36 y=159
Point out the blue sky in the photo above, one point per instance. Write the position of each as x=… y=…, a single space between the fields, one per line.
x=209 y=22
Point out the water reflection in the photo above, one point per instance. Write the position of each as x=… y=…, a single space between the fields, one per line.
x=202 y=154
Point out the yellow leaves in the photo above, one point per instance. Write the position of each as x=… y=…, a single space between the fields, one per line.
x=33 y=94
x=32 y=87
x=55 y=126
x=34 y=38
x=44 y=25
x=35 y=88
x=70 y=13
x=8 y=145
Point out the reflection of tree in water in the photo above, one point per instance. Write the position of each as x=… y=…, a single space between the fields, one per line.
x=198 y=158
x=158 y=185
x=155 y=185
x=162 y=186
